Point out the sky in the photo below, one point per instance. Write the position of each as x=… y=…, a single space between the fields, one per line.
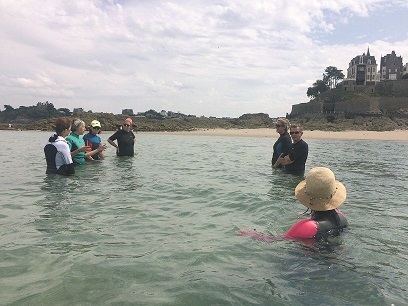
x=221 y=58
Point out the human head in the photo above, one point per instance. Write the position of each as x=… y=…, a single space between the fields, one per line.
x=95 y=127
x=78 y=126
x=320 y=191
x=61 y=124
x=282 y=125
x=127 y=124
x=296 y=132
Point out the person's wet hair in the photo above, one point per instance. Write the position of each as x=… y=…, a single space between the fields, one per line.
x=62 y=124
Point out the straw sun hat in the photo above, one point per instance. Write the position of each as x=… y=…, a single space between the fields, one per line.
x=320 y=190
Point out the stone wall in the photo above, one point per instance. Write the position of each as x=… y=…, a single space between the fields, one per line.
x=391 y=98
x=396 y=88
x=310 y=107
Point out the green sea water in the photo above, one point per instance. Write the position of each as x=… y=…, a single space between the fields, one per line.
x=160 y=228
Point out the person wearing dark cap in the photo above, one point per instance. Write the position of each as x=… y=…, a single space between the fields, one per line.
x=322 y=194
x=125 y=139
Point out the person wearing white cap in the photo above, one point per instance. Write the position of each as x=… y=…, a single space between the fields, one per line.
x=322 y=194
x=93 y=140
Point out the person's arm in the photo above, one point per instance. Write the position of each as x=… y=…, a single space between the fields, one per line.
x=81 y=149
x=113 y=144
x=287 y=160
x=88 y=155
x=303 y=229
x=279 y=161
x=68 y=167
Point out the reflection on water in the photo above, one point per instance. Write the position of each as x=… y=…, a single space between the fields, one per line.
x=160 y=228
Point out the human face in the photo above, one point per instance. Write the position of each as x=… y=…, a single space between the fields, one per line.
x=296 y=134
x=81 y=129
x=280 y=127
x=127 y=126
x=96 y=129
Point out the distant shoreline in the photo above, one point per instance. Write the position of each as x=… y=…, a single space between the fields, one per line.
x=397 y=135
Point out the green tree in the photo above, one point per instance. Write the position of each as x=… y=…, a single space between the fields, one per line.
x=332 y=76
x=318 y=87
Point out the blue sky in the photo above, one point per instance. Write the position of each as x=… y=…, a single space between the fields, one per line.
x=213 y=58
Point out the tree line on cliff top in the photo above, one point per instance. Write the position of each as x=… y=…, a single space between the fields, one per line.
x=331 y=77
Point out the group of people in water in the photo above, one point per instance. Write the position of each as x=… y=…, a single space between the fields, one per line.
x=319 y=191
x=69 y=147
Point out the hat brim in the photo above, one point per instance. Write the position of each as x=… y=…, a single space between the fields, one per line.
x=321 y=204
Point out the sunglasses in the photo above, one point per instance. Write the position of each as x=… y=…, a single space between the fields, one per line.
x=126 y=124
x=279 y=125
x=96 y=127
x=297 y=132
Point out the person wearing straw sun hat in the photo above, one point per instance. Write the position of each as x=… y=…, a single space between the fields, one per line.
x=322 y=194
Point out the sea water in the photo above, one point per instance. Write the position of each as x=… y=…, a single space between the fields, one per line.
x=161 y=228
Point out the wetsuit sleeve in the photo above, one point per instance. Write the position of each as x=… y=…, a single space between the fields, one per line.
x=302 y=229
x=286 y=145
x=114 y=136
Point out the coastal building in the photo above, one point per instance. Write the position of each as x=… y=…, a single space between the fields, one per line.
x=127 y=111
x=405 y=70
x=363 y=69
x=391 y=67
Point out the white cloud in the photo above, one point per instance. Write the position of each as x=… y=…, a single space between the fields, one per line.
x=220 y=58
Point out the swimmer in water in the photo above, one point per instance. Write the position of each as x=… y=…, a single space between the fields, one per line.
x=321 y=193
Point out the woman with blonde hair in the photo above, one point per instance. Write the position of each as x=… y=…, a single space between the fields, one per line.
x=79 y=151
x=283 y=144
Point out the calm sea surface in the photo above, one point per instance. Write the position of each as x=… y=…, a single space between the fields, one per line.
x=160 y=228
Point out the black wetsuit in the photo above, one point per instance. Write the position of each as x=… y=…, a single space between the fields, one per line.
x=298 y=153
x=282 y=145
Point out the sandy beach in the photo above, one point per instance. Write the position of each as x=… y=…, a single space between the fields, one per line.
x=399 y=135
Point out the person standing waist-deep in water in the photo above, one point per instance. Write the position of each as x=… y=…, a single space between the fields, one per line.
x=93 y=140
x=294 y=162
x=126 y=139
x=283 y=143
x=322 y=194
x=56 y=150
x=79 y=151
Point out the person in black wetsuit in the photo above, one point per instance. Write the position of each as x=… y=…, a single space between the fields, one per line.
x=126 y=139
x=323 y=194
x=294 y=162
x=283 y=143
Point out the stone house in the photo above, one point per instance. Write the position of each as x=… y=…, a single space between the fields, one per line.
x=363 y=69
x=391 y=67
